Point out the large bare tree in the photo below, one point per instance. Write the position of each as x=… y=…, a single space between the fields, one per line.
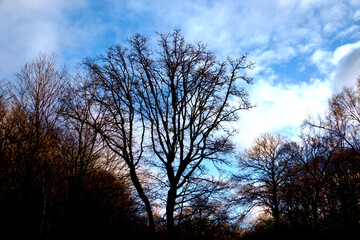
x=170 y=105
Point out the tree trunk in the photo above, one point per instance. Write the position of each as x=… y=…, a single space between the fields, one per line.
x=144 y=198
x=315 y=207
x=170 y=207
x=276 y=211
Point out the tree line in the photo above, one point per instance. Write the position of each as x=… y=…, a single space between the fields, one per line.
x=127 y=145
x=311 y=186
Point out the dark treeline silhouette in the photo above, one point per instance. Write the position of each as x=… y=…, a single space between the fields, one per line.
x=56 y=178
x=308 y=188
x=122 y=149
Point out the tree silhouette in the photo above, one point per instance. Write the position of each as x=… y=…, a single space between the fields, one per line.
x=173 y=102
x=263 y=171
x=56 y=179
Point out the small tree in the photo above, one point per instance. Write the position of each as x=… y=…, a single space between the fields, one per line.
x=263 y=172
x=31 y=140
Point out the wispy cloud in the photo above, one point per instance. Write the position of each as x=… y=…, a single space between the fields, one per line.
x=30 y=27
x=26 y=27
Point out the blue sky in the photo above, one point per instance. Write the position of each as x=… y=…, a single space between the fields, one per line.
x=304 y=49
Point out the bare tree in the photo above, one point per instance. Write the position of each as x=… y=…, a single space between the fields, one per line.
x=109 y=95
x=185 y=97
x=177 y=99
x=307 y=179
x=341 y=129
x=263 y=169
x=36 y=105
x=342 y=121
x=81 y=147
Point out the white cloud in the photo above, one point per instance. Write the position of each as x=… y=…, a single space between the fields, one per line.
x=274 y=56
x=308 y=3
x=349 y=32
x=342 y=51
x=357 y=15
x=26 y=27
x=342 y=66
x=347 y=70
x=323 y=60
x=281 y=107
x=330 y=27
x=30 y=27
